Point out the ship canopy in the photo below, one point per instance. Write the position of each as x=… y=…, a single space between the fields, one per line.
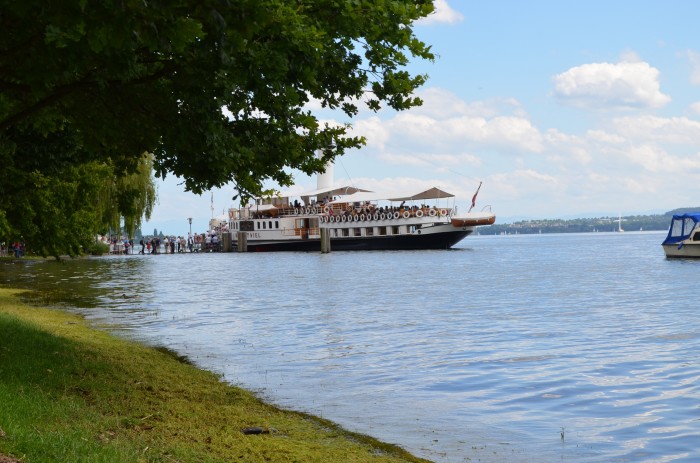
x=263 y=207
x=360 y=196
x=432 y=193
x=281 y=200
x=344 y=190
x=346 y=194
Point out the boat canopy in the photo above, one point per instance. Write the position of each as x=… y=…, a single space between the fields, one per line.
x=262 y=207
x=681 y=228
x=360 y=196
x=329 y=191
x=432 y=193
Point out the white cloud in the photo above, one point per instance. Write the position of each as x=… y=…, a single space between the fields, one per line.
x=677 y=130
x=628 y=84
x=602 y=136
x=694 y=59
x=439 y=161
x=377 y=134
x=695 y=107
x=637 y=186
x=443 y=14
x=657 y=160
x=525 y=183
x=446 y=121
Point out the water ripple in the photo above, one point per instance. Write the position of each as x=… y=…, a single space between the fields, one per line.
x=575 y=348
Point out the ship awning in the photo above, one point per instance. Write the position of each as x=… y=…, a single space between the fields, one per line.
x=362 y=196
x=262 y=207
x=432 y=193
x=330 y=191
x=359 y=196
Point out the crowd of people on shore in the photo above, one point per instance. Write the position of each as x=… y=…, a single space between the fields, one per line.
x=16 y=249
x=197 y=242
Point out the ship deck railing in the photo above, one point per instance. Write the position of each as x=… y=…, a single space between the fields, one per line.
x=349 y=209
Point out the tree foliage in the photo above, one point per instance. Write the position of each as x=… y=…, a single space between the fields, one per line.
x=118 y=78
x=216 y=90
x=58 y=208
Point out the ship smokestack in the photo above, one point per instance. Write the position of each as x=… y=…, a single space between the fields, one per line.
x=324 y=180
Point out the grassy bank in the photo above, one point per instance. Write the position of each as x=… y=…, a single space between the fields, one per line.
x=72 y=393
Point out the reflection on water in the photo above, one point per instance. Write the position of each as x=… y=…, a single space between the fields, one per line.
x=576 y=348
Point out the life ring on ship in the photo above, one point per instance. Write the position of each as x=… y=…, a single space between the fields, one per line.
x=296 y=210
x=382 y=216
x=443 y=212
x=419 y=213
x=362 y=217
x=396 y=215
x=432 y=212
x=314 y=210
x=355 y=218
x=406 y=214
x=343 y=218
x=326 y=209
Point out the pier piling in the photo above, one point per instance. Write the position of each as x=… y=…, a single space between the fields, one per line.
x=325 y=241
x=242 y=241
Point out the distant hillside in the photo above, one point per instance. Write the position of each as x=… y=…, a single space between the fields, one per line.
x=600 y=224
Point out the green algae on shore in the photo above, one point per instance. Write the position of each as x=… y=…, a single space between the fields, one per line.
x=69 y=392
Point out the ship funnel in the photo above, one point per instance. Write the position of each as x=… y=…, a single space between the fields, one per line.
x=325 y=179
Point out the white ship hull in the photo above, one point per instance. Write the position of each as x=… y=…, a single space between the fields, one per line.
x=303 y=232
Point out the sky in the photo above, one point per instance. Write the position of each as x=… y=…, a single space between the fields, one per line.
x=561 y=109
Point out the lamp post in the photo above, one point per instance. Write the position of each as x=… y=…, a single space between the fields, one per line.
x=189 y=238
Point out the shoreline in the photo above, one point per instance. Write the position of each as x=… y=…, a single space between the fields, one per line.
x=74 y=392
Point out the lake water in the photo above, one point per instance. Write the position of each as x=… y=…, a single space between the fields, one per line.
x=573 y=348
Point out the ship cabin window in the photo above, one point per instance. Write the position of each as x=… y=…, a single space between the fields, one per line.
x=346 y=232
x=264 y=225
x=395 y=230
x=270 y=222
x=696 y=236
x=277 y=224
x=369 y=231
x=357 y=232
x=336 y=232
x=258 y=224
x=382 y=230
x=412 y=229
